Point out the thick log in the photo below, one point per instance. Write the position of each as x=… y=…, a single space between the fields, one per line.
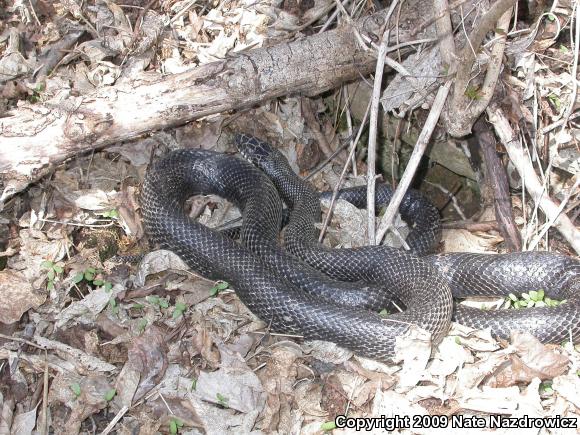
x=35 y=137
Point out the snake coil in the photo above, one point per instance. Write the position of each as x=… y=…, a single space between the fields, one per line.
x=334 y=295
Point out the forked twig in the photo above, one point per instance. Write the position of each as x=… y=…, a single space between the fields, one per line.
x=416 y=155
x=373 y=125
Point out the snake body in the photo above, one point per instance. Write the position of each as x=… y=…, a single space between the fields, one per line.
x=333 y=295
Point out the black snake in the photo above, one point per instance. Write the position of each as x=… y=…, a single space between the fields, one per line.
x=335 y=295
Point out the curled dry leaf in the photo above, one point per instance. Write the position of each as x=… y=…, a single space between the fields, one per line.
x=158 y=261
x=327 y=352
x=87 y=309
x=473 y=339
x=531 y=359
x=474 y=374
x=35 y=248
x=82 y=361
x=218 y=421
x=413 y=349
x=460 y=240
x=568 y=387
x=18 y=296
x=449 y=357
x=308 y=397
x=234 y=387
x=491 y=400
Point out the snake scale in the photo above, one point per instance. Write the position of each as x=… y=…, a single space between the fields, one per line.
x=335 y=294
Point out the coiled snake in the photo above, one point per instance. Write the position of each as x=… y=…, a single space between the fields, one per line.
x=335 y=295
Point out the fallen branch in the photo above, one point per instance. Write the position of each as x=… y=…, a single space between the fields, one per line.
x=414 y=160
x=373 y=126
x=525 y=169
x=35 y=137
x=496 y=178
x=464 y=111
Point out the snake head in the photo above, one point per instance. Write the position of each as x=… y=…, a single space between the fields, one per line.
x=261 y=154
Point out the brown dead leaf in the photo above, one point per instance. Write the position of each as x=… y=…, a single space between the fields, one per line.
x=308 y=397
x=128 y=206
x=386 y=380
x=18 y=294
x=147 y=357
x=203 y=343
x=89 y=399
x=278 y=378
x=334 y=398
x=308 y=155
x=531 y=360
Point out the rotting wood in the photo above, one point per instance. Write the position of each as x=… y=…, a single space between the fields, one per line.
x=36 y=137
x=496 y=178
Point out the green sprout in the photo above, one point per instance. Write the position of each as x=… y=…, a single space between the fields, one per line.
x=76 y=388
x=473 y=93
x=110 y=394
x=532 y=299
x=328 y=426
x=112 y=214
x=555 y=100
x=53 y=270
x=141 y=325
x=222 y=400
x=179 y=309
x=546 y=387
x=174 y=426
x=218 y=287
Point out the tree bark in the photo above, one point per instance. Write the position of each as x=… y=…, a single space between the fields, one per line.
x=496 y=178
x=35 y=137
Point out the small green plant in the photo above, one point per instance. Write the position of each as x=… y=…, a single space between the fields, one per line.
x=328 y=426
x=473 y=93
x=113 y=306
x=222 y=400
x=110 y=394
x=193 y=384
x=179 y=309
x=156 y=300
x=36 y=95
x=76 y=388
x=531 y=299
x=174 y=426
x=555 y=100
x=141 y=325
x=218 y=287
x=546 y=387
x=53 y=270
x=384 y=312
x=91 y=276
x=111 y=214
x=564 y=49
